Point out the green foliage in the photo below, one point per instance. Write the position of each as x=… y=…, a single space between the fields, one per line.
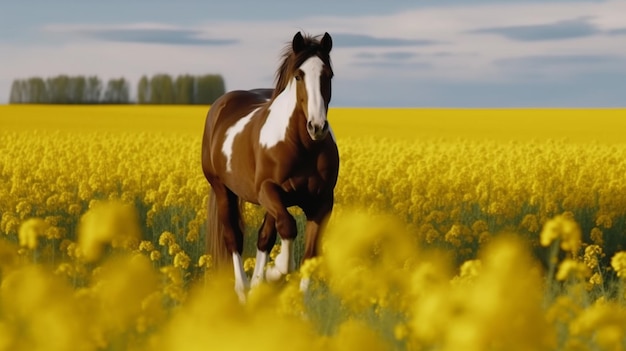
x=162 y=89
x=143 y=90
x=184 y=89
x=158 y=89
x=117 y=92
x=209 y=88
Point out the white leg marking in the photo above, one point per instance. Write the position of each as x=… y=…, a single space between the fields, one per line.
x=283 y=264
x=304 y=284
x=241 y=280
x=275 y=127
x=259 y=268
x=231 y=133
x=312 y=69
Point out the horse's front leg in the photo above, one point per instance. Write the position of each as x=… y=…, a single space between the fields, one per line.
x=265 y=242
x=316 y=217
x=270 y=198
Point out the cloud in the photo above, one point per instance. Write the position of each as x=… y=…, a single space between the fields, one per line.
x=348 y=40
x=390 y=61
x=158 y=36
x=143 y=33
x=600 y=89
x=399 y=55
x=569 y=29
x=560 y=61
x=390 y=55
x=618 y=31
x=395 y=65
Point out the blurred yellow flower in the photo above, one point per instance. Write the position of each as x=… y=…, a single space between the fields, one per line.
x=572 y=269
x=596 y=236
x=400 y=331
x=146 y=246
x=181 y=260
x=155 y=255
x=173 y=249
x=469 y=271
x=565 y=229
x=26 y=295
x=166 y=238
x=205 y=261
x=592 y=253
x=530 y=223
x=30 y=230
x=604 y=221
x=74 y=209
x=193 y=235
x=618 y=262
x=563 y=310
x=355 y=335
x=366 y=257
x=312 y=268
x=603 y=320
x=121 y=287
x=104 y=224
x=595 y=279
x=248 y=264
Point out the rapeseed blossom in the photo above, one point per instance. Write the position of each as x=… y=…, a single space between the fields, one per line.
x=30 y=231
x=423 y=264
x=564 y=229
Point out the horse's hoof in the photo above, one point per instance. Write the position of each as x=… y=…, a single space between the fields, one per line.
x=273 y=274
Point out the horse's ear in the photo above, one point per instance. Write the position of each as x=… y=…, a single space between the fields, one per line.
x=297 y=44
x=327 y=42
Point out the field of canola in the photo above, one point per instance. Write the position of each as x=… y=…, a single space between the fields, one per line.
x=453 y=230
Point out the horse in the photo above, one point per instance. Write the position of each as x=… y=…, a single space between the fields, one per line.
x=274 y=148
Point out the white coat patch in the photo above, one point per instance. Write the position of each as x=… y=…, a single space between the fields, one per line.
x=231 y=133
x=275 y=127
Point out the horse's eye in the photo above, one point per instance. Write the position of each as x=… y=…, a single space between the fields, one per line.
x=298 y=77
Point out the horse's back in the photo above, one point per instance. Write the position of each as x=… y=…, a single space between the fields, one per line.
x=224 y=113
x=236 y=104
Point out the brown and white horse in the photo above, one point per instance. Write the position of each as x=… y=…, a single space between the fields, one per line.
x=275 y=149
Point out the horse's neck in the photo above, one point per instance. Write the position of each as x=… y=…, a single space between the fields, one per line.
x=280 y=111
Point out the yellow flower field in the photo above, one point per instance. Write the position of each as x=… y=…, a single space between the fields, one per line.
x=453 y=230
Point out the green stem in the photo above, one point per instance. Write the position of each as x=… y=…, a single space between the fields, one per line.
x=552 y=264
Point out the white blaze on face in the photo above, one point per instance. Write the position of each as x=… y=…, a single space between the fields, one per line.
x=316 y=110
x=229 y=140
x=274 y=129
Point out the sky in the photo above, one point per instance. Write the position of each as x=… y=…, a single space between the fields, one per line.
x=393 y=53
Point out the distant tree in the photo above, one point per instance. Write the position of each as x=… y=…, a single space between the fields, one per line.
x=77 y=90
x=208 y=88
x=58 y=89
x=184 y=89
x=162 y=89
x=93 y=90
x=37 y=91
x=143 y=90
x=117 y=92
x=18 y=92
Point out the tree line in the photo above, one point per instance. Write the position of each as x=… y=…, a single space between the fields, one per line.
x=158 y=89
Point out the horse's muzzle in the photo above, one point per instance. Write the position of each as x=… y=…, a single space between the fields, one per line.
x=317 y=131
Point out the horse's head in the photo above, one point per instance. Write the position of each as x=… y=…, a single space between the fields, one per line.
x=307 y=66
